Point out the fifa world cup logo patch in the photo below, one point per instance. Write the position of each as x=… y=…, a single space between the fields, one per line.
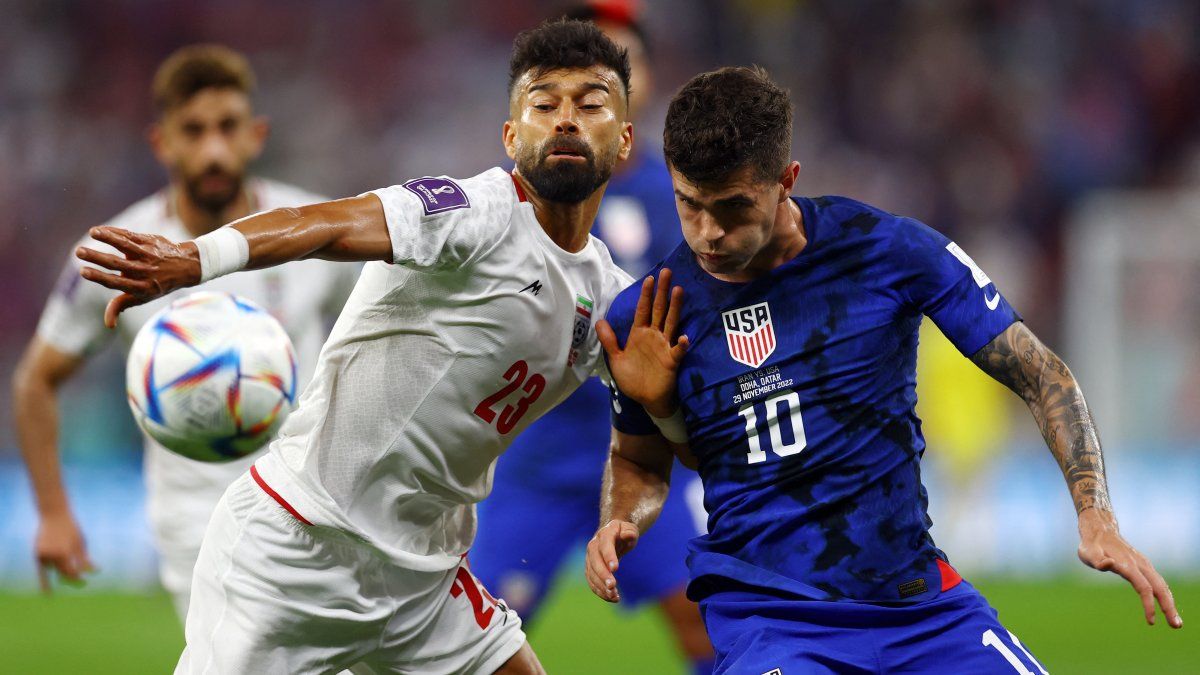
x=749 y=334
x=583 y=324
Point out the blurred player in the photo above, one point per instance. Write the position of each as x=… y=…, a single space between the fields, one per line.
x=543 y=502
x=205 y=136
x=795 y=400
x=345 y=545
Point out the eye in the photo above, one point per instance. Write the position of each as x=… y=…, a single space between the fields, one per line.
x=590 y=106
x=543 y=107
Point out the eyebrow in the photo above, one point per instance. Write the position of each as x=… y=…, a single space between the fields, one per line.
x=732 y=200
x=587 y=86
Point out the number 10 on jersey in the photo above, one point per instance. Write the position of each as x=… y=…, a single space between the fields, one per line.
x=785 y=427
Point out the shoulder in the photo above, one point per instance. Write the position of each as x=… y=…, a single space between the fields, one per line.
x=847 y=223
x=488 y=193
x=273 y=194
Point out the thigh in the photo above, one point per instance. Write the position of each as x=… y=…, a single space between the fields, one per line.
x=523 y=536
x=963 y=634
x=268 y=596
x=447 y=623
x=657 y=567
x=757 y=635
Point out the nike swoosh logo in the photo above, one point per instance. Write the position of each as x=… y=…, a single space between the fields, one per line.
x=992 y=302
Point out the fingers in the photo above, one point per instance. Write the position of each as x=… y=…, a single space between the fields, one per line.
x=608 y=338
x=117 y=282
x=117 y=305
x=1162 y=593
x=672 y=322
x=641 y=315
x=1136 y=579
x=662 y=293
x=122 y=240
x=680 y=348
x=110 y=261
x=599 y=576
x=44 y=577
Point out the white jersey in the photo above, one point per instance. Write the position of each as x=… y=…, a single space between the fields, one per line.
x=438 y=361
x=303 y=296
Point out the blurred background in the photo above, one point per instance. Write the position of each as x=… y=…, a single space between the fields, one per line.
x=1057 y=142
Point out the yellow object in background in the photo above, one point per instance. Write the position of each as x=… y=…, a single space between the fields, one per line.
x=966 y=415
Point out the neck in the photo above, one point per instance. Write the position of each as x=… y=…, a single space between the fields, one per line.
x=567 y=225
x=199 y=221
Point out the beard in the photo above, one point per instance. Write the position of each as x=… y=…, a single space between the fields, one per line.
x=213 y=200
x=565 y=181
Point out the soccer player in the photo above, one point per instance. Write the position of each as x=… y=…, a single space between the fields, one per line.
x=543 y=502
x=205 y=136
x=791 y=388
x=345 y=545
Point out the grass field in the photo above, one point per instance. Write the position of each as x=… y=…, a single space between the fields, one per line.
x=1073 y=627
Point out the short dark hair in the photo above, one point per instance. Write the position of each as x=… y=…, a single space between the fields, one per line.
x=197 y=67
x=727 y=119
x=565 y=43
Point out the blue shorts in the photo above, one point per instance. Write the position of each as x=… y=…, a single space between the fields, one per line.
x=957 y=632
x=526 y=533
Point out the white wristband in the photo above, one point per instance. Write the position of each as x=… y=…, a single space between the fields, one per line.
x=672 y=428
x=222 y=251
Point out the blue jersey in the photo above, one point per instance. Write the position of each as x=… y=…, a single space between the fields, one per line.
x=798 y=392
x=639 y=224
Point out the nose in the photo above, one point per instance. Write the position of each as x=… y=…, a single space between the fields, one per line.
x=214 y=148
x=566 y=120
x=710 y=230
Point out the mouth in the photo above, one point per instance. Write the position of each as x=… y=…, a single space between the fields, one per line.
x=565 y=153
x=713 y=257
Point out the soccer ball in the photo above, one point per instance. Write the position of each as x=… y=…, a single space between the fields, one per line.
x=211 y=377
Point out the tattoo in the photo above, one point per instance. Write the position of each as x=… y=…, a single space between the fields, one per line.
x=1019 y=361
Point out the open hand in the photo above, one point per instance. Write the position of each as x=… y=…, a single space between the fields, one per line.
x=604 y=551
x=1103 y=548
x=151 y=267
x=645 y=369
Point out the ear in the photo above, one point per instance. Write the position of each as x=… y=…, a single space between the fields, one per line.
x=154 y=137
x=260 y=129
x=626 y=142
x=787 y=181
x=508 y=136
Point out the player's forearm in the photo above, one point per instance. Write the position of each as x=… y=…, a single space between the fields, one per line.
x=347 y=229
x=1021 y=362
x=632 y=492
x=35 y=411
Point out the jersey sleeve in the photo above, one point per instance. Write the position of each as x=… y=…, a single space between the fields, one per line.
x=73 y=319
x=628 y=416
x=942 y=282
x=440 y=222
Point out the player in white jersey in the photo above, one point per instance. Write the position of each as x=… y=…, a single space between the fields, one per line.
x=205 y=137
x=346 y=545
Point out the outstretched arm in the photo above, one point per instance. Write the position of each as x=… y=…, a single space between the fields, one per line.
x=151 y=266
x=1019 y=361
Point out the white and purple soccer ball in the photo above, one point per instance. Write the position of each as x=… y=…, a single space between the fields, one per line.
x=211 y=377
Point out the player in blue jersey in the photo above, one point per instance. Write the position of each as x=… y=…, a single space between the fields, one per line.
x=543 y=504
x=793 y=395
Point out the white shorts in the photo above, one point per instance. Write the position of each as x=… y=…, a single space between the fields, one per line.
x=273 y=595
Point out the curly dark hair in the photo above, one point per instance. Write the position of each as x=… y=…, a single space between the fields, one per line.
x=727 y=119
x=565 y=43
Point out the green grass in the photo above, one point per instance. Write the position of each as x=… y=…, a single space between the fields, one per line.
x=1072 y=626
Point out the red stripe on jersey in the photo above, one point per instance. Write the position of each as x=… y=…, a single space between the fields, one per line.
x=950 y=576
x=275 y=495
x=520 y=190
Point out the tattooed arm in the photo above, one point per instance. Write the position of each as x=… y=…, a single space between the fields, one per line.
x=1019 y=361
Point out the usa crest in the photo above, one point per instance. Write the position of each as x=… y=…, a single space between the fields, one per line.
x=749 y=333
